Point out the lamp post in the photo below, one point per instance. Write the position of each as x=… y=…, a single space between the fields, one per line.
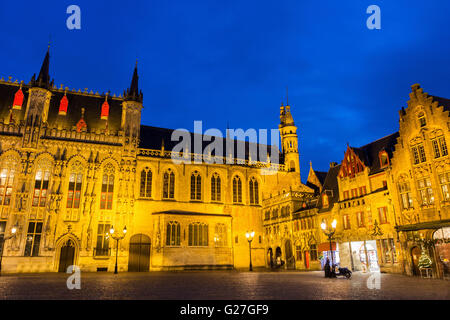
x=249 y=236
x=329 y=233
x=13 y=234
x=117 y=238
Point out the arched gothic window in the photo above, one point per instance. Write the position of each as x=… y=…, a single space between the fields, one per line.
x=146 y=183
x=41 y=183
x=6 y=182
x=196 y=186
x=75 y=182
x=253 y=191
x=237 y=190
x=106 y=199
x=216 y=188
x=169 y=185
x=173 y=233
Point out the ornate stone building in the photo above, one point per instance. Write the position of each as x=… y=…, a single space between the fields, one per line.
x=74 y=164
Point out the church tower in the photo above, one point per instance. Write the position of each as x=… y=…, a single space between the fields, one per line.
x=289 y=140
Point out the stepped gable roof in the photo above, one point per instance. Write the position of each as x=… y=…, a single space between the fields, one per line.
x=153 y=137
x=442 y=102
x=369 y=153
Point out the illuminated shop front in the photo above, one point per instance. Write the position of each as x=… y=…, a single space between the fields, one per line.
x=359 y=255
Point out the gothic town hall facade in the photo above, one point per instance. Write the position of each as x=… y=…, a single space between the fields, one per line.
x=76 y=164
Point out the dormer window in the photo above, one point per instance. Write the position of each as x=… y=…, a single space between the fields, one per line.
x=384 y=159
x=422 y=120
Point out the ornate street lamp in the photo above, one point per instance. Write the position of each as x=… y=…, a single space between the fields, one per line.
x=249 y=236
x=13 y=234
x=329 y=233
x=117 y=238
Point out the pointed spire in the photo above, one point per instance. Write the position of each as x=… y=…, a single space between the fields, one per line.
x=43 y=79
x=133 y=93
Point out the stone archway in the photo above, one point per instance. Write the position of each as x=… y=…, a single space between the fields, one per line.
x=290 y=260
x=67 y=254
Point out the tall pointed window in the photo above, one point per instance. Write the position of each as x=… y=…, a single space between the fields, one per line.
x=40 y=188
x=6 y=185
x=237 y=190
x=253 y=191
x=196 y=186
x=106 y=199
x=33 y=239
x=444 y=181
x=404 y=190
x=75 y=182
x=425 y=191
x=439 y=147
x=173 y=233
x=169 y=185
x=146 y=183
x=216 y=188
x=102 y=247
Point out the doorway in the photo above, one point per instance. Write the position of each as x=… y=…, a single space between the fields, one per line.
x=139 y=253
x=415 y=253
x=290 y=261
x=66 y=255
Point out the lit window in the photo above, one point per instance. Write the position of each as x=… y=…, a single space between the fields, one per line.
x=106 y=199
x=384 y=159
x=444 y=181
x=40 y=188
x=439 y=147
x=102 y=247
x=220 y=235
x=33 y=239
x=75 y=183
x=346 y=220
x=360 y=217
x=6 y=185
x=382 y=212
x=425 y=191
x=405 y=195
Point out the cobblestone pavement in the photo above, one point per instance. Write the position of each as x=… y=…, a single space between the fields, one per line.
x=220 y=285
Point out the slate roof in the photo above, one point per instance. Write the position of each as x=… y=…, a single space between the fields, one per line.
x=442 y=102
x=154 y=137
x=331 y=188
x=369 y=154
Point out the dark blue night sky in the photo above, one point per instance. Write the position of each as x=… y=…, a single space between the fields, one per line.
x=230 y=61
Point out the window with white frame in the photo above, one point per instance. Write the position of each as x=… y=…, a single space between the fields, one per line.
x=425 y=190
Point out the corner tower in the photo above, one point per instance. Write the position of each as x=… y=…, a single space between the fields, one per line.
x=131 y=114
x=289 y=140
x=36 y=113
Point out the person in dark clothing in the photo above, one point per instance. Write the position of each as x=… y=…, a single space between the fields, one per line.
x=327 y=269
